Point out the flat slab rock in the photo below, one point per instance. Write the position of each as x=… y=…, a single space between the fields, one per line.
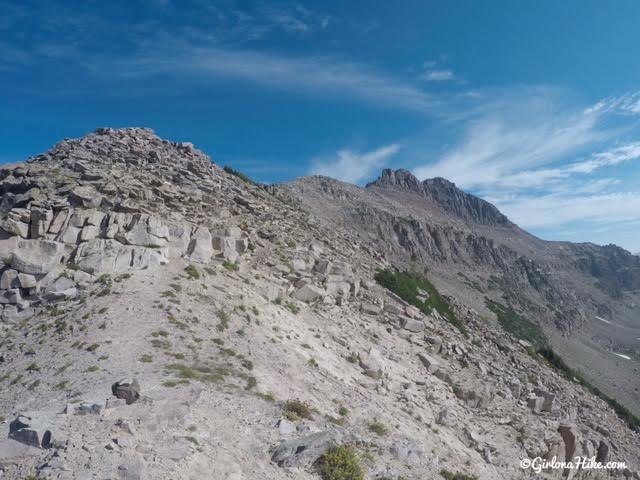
x=303 y=451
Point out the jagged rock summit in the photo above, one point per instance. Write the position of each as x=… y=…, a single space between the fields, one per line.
x=445 y=194
x=166 y=318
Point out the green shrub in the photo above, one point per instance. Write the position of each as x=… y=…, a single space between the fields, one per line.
x=517 y=325
x=296 y=410
x=292 y=307
x=457 y=475
x=341 y=463
x=406 y=286
x=192 y=272
x=232 y=267
x=378 y=428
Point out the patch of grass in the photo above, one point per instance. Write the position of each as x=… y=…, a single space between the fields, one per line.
x=93 y=347
x=160 y=333
x=232 y=267
x=199 y=372
x=292 y=307
x=353 y=358
x=341 y=462
x=407 y=285
x=61 y=386
x=296 y=410
x=251 y=383
x=378 y=428
x=457 y=475
x=162 y=344
x=92 y=368
x=33 y=367
x=174 y=383
x=517 y=325
x=146 y=358
x=343 y=411
x=268 y=396
x=15 y=380
x=223 y=323
x=177 y=323
x=192 y=272
x=312 y=363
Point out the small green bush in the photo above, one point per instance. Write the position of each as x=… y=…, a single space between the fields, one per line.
x=457 y=475
x=341 y=463
x=517 y=325
x=378 y=428
x=296 y=410
x=406 y=286
x=192 y=272
x=232 y=267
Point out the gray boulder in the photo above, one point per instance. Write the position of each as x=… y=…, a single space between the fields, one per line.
x=200 y=249
x=127 y=389
x=27 y=430
x=303 y=451
x=37 y=257
x=308 y=293
x=430 y=363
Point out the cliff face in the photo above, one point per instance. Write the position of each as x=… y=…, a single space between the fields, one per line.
x=480 y=254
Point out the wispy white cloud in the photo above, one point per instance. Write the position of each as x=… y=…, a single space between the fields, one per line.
x=628 y=103
x=316 y=76
x=438 y=75
x=562 y=209
x=547 y=165
x=354 y=167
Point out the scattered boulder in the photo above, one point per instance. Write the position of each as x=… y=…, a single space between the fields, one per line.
x=569 y=434
x=303 y=451
x=431 y=364
x=200 y=248
x=370 y=308
x=412 y=325
x=372 y=363
x=308 y=293
x=37 y=257
x=27 y=430
x=127 y=389
x=62 y=289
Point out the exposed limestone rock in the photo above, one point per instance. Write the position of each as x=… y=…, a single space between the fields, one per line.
x=430 y=363
x=308 y=293
x=30 y=431
x=303 y=451
x=372 y=363
x=127 y=389
x=569 y=435
x=200 y=248
x=37 y=256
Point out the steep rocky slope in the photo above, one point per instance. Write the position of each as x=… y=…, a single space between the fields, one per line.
x=163 y=318
x=586 y=297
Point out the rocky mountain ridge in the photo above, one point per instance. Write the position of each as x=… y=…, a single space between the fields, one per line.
x=165 y=318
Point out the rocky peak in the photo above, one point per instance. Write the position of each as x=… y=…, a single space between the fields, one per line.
x=445 y=194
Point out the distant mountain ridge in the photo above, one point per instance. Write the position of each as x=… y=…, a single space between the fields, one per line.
x=445 y=194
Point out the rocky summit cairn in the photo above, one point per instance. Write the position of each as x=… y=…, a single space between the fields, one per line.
x=161 y=317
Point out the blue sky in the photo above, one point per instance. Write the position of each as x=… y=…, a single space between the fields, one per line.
x=531 y=105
